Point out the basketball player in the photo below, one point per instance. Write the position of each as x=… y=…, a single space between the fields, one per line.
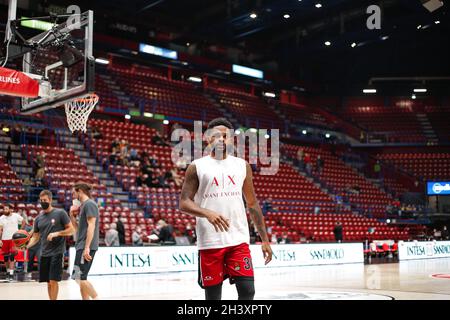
x=9 y=224
x=51 y=227
x=212 y=191
x=87 y=237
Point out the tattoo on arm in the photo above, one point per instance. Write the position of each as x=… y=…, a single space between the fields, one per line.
x=188 y=192
x=253 y=205
x=190 y=185
x=258 y=220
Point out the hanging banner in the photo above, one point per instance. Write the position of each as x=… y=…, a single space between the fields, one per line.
x=16 y=83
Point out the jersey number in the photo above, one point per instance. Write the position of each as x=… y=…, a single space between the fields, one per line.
x=248 y=263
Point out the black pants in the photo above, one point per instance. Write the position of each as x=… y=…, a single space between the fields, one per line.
x=32 y=253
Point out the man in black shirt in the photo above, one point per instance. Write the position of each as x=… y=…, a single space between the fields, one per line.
x=51 y=227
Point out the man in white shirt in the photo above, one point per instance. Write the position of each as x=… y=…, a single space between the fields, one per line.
x=9 y=224
x=213 y=192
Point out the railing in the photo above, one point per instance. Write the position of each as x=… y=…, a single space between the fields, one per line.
x=152 y=107
x=32 y=133
x=30 y=194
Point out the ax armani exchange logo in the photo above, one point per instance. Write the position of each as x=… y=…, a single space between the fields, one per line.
x=222 y=182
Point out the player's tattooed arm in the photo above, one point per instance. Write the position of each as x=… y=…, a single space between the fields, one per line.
x=190 y=186
x=258 y=220
x=253 y=205
x=256 y=214
x=187 y=204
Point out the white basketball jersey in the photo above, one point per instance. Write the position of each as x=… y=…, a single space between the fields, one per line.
x=220 y=190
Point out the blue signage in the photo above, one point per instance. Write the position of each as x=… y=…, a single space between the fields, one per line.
x=166 y=53
x=436 y=188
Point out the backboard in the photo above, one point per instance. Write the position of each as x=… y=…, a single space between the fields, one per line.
x=62 y=59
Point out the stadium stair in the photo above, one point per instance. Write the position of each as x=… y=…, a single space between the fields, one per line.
x=69 y=141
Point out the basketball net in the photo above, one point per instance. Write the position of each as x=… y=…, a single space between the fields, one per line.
x=78 y=111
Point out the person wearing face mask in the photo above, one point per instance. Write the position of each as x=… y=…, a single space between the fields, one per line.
x=50 y=228
x=9 y=223
x=87 y=237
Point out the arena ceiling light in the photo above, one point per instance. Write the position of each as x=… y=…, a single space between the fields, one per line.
x=286 y=16
x=266 y=136
x=304 y=132
x=246 y=71
x=165 y=121
x=318 y=5
x=102 y=61
x=148 y=115
x=195 y=79
x=370 y=90
x=413 y=97
x=353 y=45
x=437 y=22
x=327 y=135
x=127 y=116
x=422 y=90
x=253 y=15
x=327 y=43
x=384 y=38
x=269 y=94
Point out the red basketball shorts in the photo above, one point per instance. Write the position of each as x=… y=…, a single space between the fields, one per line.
x=8 y=248
x=215 y=265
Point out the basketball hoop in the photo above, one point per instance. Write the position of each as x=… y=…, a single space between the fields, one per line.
x=78 y=111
